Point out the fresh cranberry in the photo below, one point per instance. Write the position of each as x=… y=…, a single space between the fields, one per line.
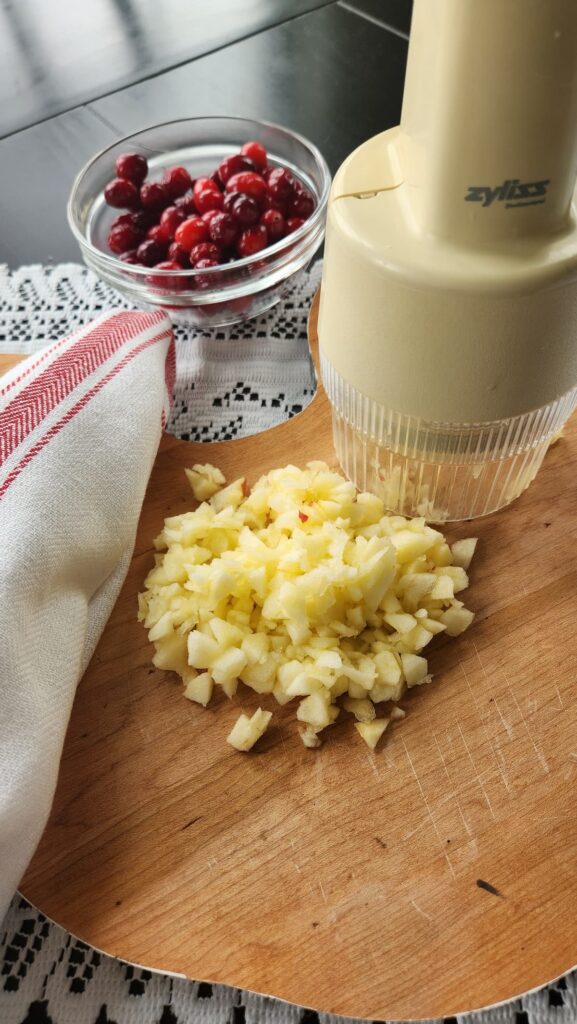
x=122 y=238
x=202 y=183
x=129 y=257
x=232 y=165
x=169 y=221
x=277 y=204
x=275 y=224
x=204 y=251
x=223 y=230
x=187 y=205
x=281 y=184
x=178 y=254
x=150 y=252
x=143 y=219
x=205 y=281
x=257 y=153
x=214 y=177
x=173 y=284
x=252 y=240
x=249 y=182
x=132 y=167
x=190 y=232
x=206 y=263
x=157 y=235
x=209 y=216
x=176 y=181
x=244 y=209
x=154 y=196
x=123 y=218
x=121 y=194
x=302 y=204
x=293 y=223
x=207 y=198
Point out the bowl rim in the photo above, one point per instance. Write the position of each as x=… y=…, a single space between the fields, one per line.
x=135 y=270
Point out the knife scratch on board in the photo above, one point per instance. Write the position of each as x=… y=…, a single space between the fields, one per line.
x=429 y=811
x=477 y=776
x=500 y=765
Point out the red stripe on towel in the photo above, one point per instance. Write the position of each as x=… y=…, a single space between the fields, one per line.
x=57 y=427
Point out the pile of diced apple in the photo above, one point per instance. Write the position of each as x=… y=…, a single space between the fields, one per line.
x=302 y=589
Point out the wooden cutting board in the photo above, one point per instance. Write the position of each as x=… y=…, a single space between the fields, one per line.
x=434 y=876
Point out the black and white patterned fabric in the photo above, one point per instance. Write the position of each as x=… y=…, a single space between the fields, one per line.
x=229 y=383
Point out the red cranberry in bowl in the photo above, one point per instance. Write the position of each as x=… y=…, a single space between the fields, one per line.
x=170 y=218
x=257 y=153
x=223 y=230
x=154 y=196
x=123 y=237
x=177 y=181
x=281 y=184
x=123 y=218
x=178 y=254
x=209 y=199
x=302 y=204
x=150 y=252
x=132 y=167
x=244 y=209
x=190 y=232
x=252 y=240
x=251 y=183
x=209 y=216
x=275 y=224
x=129 y=257
x=163 y=281
x=121 y=194
x=204 y=281
x=293 y=223
x=204 y=251
x=232 y=165
x=157 y=235
x=187 y=205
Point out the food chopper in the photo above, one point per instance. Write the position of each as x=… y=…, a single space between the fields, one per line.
x=448 y=314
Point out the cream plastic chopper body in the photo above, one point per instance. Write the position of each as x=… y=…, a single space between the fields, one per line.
x=448 y=314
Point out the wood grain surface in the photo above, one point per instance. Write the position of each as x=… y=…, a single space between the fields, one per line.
x=434 y=876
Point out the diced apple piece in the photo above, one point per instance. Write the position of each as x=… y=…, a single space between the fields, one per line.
x=309 y=737
x=403 y=623
x=457 y=620
x=410 y=545
x=171 y=654
x=229 y=497
x=314 y=710
x=200 y=689
x=388 y=668
x=397 y=713
x=415 y=668
x=229 y=687
x=418 y=638
x=256 y=647
x=443 y=589
x=202 y=650
x=363 y=710
x=458 y=576
x=440 y=554
x=225 y=633
x=163 y=628
x=463 y=551
x=228 y=665
x=371 y=732
x=205 y=480
x=246 y=731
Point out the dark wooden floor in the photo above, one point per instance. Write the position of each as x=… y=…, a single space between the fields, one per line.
x=76 y=76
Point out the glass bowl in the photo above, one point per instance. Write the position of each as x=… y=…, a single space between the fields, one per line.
x=220 y=295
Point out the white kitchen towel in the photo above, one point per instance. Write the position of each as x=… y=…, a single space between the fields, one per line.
x=80 y=425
